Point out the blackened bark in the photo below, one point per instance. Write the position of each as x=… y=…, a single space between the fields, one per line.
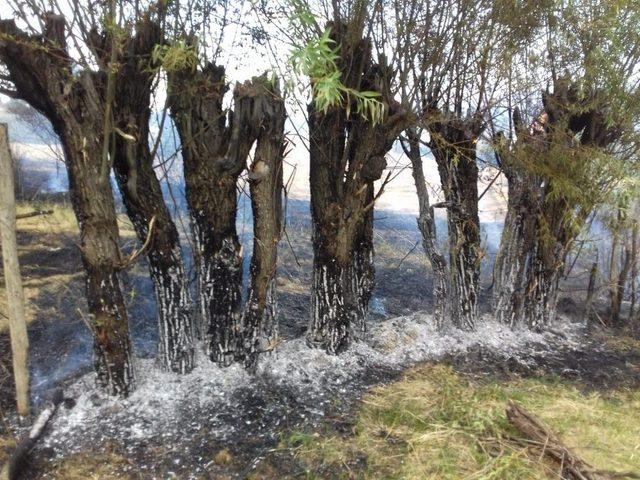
x=142 y=194
x=591 y=291
x=41 y=71
x=330 y=322
x=634 y=272
x=362 y=275
x=541 y=291
x=542 y=223
x=621 y=282
x=346 y=157
x=259 y=323
x=214 y=153
x=518 y=235
x=427 y=227
x=453 y=144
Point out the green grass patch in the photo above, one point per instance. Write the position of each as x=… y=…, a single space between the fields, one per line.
x=437 y=424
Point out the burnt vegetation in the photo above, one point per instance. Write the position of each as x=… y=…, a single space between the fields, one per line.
x=543 y=96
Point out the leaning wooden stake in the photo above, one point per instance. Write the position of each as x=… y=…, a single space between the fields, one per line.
x=538 y=435
x=13 y=281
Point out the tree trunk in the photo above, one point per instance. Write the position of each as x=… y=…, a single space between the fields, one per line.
x=613 y=273
x=541 y=291
x=634 y=272
x=427 y=227
x=92 y=201
x=142 y=196
x=453 y=143
x=331 y=317
x=259 y=323
x=515 y=252
x=622 y=283
x=532 y=258
x=40 y=69
x=363 y=273
x=346 y=158
x=12 y=277
x=214 y=153
x=591 y=291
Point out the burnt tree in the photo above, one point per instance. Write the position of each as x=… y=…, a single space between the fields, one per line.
x=259 y=323
x=46 y=77
x=347 y=155
x=141 y=191
x=520 y=220
x=215 y=148
x=453 y=140
x=545 y=218
x=427 y=226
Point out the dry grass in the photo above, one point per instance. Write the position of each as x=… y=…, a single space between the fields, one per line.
x=7 y=444
x=49 y=259
x=436 y=424
x=102 y=465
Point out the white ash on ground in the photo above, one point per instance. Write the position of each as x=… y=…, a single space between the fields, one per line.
x=293 y=386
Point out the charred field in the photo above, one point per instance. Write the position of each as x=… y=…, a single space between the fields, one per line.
x=227 y=423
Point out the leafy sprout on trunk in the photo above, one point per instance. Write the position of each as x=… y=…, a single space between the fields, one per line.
x=317 y=60
x=177 y=56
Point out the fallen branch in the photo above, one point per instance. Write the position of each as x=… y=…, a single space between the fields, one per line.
x=539 y=436
x=16 y=466
x=35 y=213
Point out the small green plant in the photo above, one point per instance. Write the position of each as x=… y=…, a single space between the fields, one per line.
x=176 y=56
x=317 y=60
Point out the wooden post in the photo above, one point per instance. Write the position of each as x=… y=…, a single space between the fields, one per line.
x=13 y=281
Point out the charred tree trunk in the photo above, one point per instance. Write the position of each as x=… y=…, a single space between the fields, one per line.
x=621 y=281
x=541 y=287
x=331 y=317
x=542 y=223
x=142 y=194
x=346 y=157
x=363 y=271
x=453 y=143
x=259 y=323
x=427 y=227
x=613 y=273
x=41 y=71
x=518 y=235
x=214 y=153
x=634 y=272
x=591 y=291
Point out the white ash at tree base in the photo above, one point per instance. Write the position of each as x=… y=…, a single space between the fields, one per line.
x=189 y=417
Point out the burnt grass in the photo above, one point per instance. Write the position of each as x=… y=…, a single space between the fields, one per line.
x=262 y=413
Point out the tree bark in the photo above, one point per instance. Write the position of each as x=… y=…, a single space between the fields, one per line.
x=634 y=271
x=453 y=143
x=427 y=227
x=142 y=194
x=42 y=73
x=625 y=258
x=542 y=223
x=214 y=153
x=12 y=277
x=363 y=272
x=346 y=157
x=591 y=291
x=259 y=323
x=518 y=234
x=614 y=312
